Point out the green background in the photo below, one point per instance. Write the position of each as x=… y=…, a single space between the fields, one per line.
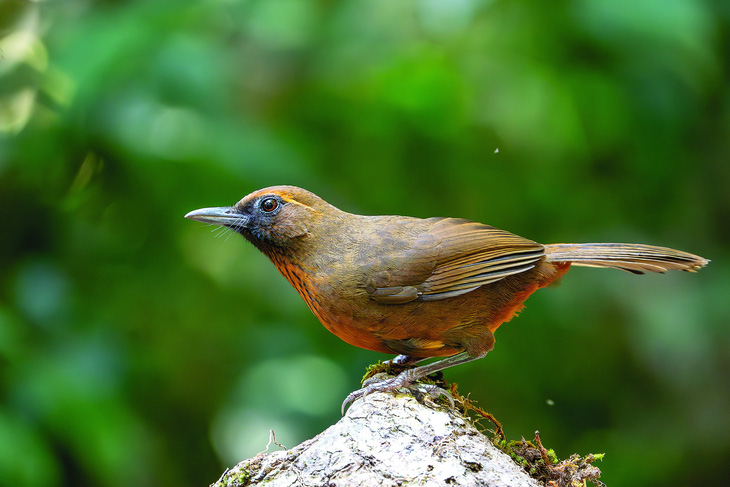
x=139 y=348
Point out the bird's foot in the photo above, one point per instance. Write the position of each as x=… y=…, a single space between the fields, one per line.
x=431 y=392
x=408 y=377
x=405 y=380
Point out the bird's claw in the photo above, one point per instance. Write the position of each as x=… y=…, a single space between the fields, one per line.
x=392 y=384
x=433 y=392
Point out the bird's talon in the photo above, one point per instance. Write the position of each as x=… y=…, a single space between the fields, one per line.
x=375 y=379
x=349 y=399
x=433 y=392
x=377 y=383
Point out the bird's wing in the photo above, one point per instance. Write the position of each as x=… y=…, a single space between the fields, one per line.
x=463 y=255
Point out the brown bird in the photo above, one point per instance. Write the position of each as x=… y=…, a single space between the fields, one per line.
x=435 y=287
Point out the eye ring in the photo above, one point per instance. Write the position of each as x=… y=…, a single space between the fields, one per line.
x=269 y=204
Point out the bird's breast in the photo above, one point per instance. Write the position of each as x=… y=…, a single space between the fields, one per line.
x=338 y=301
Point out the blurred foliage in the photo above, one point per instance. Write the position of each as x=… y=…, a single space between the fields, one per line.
x=136 y=348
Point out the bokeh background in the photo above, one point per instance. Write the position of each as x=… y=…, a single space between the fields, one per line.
x=139 y=348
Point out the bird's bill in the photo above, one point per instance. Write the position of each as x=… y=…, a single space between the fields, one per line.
x=225 y=216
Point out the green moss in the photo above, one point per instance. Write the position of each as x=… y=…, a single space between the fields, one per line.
x=237 y=477
x=377 y=368
x=544 y=465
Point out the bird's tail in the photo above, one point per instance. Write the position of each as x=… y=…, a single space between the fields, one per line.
x=635 y=258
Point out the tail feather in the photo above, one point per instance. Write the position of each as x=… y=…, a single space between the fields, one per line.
x=635 y=258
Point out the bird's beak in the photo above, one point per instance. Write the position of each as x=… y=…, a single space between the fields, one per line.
x=224 y=216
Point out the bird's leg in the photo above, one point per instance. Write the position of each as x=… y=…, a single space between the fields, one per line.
x=410 y=376
x=405 y=360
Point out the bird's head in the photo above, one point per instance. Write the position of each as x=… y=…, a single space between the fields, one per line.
x=278 y=216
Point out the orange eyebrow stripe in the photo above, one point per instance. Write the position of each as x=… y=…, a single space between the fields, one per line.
x=293 y=201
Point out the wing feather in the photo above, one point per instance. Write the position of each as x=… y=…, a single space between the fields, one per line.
x=466 y=255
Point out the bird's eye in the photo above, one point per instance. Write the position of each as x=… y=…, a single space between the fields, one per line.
x=269 y=204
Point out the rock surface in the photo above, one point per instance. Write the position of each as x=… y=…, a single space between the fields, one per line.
x=387 y=440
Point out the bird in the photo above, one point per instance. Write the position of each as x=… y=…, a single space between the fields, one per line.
x=418 y=288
